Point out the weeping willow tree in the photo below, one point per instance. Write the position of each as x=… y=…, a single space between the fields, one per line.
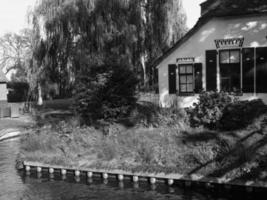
x=74 y=34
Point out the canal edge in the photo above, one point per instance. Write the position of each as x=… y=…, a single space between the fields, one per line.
x=10 y=135
x=152 y=178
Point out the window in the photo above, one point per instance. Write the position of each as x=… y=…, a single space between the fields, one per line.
x=230 y=72
x=186 y=78
x=229 y=56
x=253 y=73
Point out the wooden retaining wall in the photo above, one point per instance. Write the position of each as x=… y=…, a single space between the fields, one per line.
x=169 y=179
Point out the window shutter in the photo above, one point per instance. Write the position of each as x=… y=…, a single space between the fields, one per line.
x=211 y=63
x=248 y=70
x=261 y=69
x=172 y=79
x=198 y=77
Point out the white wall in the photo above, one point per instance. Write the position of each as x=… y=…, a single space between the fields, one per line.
x=252 y=28
x=3 y=92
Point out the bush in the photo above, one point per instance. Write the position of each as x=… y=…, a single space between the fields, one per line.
x=241 y=113
x=17 y=91
x=209 y=109
x=105 y=92
x=148 y=114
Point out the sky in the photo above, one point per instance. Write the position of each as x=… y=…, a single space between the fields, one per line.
x=13 y=13
x=192 y=9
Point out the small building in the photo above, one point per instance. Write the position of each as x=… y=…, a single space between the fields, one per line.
x=225 y=51
x=3 y=88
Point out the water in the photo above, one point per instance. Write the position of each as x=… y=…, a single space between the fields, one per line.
x=16 y=185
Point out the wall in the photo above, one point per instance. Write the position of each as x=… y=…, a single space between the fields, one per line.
x=252 y=28
x=3 y=92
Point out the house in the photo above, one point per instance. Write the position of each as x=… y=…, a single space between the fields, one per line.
x=225 y=51
x=3 y=88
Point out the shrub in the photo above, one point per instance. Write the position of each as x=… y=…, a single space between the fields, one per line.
x=17 y=91
x=209 y=109
x=105 y=92
x=241 y=113
x=148 y=114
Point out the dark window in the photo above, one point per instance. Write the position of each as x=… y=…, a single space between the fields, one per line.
x=261 y=68
x=248 y=70
x=198 y=77
x=186 y=78
x=211 y=63
x=230 y=70
x=172 y=79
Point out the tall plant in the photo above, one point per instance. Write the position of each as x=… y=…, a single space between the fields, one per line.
x=132 y=31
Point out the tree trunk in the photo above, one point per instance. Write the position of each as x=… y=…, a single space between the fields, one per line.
x=40 y=98
x=143 y=63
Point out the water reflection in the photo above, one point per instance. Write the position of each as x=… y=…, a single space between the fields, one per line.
x=44 y=186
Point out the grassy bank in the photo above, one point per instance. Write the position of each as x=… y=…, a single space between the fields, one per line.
x=158 y=140
x=237 y=155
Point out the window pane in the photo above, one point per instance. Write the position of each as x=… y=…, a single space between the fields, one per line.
x=230 y=77
x=183 y=87
x=189 y=79
x=186 y=78
x=189 y=87
x=224 y=57
x=182 y=70
x=189 y=69
x=234 y=56
x=182 y=79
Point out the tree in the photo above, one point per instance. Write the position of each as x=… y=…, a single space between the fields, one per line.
x=17 y=58
x=166 y=24
x=105 y=92
x=131 y=32
x=15 y=51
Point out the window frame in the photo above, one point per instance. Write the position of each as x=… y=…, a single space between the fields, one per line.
x=223 y=64
x=229 y=51
x=186 y=74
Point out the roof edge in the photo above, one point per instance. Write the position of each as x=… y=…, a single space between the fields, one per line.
x=199 y=24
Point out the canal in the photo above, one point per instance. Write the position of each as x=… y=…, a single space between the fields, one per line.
x=15 y=185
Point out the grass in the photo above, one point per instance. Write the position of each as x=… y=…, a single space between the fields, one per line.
x=16 y=123
x=156 y=143
x=137 y=149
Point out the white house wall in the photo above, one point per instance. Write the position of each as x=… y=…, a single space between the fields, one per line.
x=252 y=28
x=3 y=92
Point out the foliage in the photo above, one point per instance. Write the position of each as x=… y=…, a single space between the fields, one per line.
x=155 y=150
x=15 y=52
x=105 y=92
x=18 y=91
x=150 y=115
x=240 y=114
x=209 y=109
x=132 y=31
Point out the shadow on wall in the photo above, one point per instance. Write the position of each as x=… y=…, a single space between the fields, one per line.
x=240 y=27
